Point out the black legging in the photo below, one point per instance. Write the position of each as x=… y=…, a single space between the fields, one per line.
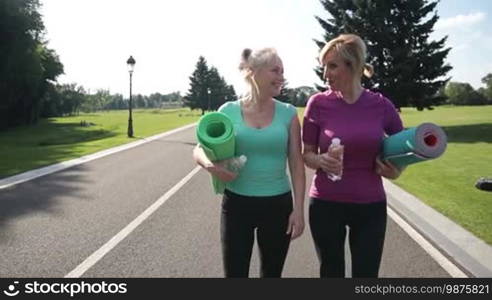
x=240 y=216
x=367 y=223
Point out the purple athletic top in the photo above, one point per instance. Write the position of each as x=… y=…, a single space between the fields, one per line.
x=361 y=128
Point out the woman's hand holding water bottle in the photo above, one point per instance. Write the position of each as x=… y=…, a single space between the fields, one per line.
x=227 y=170
x=219 y=170
x=335 y=151
x=330 y=164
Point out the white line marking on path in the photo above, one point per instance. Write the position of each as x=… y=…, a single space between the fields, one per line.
x=98 y=254
x=32 y=174
x=445 y=263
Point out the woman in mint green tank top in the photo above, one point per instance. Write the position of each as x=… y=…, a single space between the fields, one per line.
x=260 y=200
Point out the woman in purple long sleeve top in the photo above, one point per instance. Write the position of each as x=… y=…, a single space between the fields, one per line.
x=360 y=118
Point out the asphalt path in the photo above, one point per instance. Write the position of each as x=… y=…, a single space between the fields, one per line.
x=51 y=225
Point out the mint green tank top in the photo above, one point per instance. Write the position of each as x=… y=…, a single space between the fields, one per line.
x=264 y=173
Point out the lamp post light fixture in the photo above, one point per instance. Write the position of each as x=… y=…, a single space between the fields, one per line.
x=209 y=92
x=131 y=64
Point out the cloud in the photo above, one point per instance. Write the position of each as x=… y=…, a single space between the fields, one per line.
x=460 y=21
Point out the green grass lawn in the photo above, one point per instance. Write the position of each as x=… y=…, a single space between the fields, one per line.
x=446 y=184
x=59 y=139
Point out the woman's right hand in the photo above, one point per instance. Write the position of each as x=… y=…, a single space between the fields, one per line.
x=220 y=171
x=329 y=164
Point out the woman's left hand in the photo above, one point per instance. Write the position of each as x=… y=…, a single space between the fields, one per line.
x=296 y=224
x=387 y=169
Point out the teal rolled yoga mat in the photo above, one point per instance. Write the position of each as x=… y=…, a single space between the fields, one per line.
x=215 y=133
x=424 y=142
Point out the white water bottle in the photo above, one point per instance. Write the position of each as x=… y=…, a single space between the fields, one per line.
x=236 y=163
x=336 y=151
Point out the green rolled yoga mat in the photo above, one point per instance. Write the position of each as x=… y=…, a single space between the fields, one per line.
x=215 y=133
x=424 y=142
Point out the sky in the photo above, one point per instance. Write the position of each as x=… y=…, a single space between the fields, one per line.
x=94 y=38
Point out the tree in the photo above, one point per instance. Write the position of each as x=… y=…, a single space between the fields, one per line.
x=300 y=95
x=460 y=93
x=296 y=96
x=26 y=64
x=230 y=93
x=285 y=93
x=102 y=99
x=410 y=69
x=140 y=101
x=174 y=97
x=95 y=102
x=72 y=97
x=52 y=102
x=487 y=91
x=52 y=67
x=208 y=89
x=216 y=89
x=118 y=102
x=197 y=96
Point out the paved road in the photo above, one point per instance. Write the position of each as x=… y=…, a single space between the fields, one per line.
x=50 y=225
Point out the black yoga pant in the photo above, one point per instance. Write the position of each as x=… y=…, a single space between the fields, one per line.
x=240 y=217
x=367 y=224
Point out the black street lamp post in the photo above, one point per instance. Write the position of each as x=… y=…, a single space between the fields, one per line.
x=208 y=92
x=131 y=64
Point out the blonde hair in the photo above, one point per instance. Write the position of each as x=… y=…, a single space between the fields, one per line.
x=251 y=61
x=353 y=51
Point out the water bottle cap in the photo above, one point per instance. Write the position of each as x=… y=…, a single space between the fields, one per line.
x=335 y=141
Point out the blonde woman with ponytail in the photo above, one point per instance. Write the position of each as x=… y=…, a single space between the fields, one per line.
x=259 y=199
x=360 y=118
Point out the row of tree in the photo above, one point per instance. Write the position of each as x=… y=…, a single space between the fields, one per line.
x=70 y=99
x=208 y=90
x=461 y=93
x=296 y=96
x=410 y=69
